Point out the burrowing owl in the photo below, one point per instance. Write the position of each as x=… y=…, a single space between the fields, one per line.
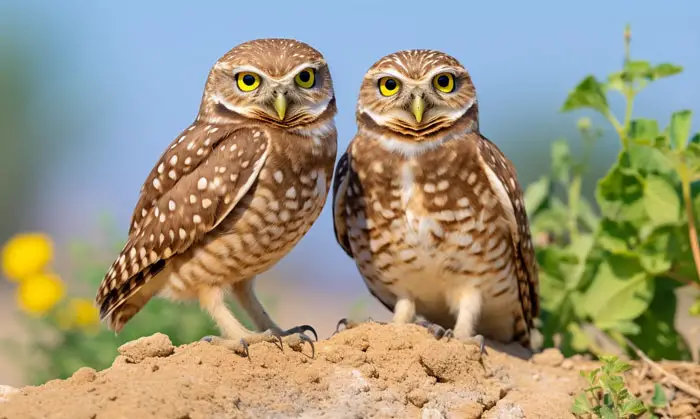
x=234 y=192
x=430 y=210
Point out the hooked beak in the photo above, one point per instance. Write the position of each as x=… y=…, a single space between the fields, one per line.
x=418 y=106
x=281 y=105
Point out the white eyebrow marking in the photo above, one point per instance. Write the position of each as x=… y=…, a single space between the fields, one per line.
x=393 y=73
x=291 y=74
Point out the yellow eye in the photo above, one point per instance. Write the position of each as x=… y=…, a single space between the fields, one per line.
x=247 y=81
x=306 y=78
x=444 y=82
x=389 y=86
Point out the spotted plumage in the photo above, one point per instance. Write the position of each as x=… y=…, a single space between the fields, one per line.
x=234 y=192
x=430 y=210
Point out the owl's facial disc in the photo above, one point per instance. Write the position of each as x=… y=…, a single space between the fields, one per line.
x=293 y=99
x=416 y=106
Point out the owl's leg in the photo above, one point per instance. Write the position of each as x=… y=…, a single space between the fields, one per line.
x=294 y=337
x=235 y=336
x=468 y=312
x=404 y=312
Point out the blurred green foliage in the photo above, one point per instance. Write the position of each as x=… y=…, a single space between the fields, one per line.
x=607 y=397
x=55 y=352
x=616 y=263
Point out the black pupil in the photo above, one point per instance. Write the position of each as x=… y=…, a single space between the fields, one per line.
x=390 y=84
x=304 y=76
x=248 y=80
x=443 y=81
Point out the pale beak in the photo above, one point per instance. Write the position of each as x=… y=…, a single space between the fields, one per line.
x=281 y=105
x=418 y=107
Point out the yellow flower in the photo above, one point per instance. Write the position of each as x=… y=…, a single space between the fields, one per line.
x=84 y=312
x=25 y=255
x=38 y=294
x=78 y=313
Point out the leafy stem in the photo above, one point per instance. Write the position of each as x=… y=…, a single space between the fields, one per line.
x=685 y=175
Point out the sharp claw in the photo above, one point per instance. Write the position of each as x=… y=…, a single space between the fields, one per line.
x=341 y=322
x=245 y=348
x=308 y=339
x=302 y=329
x=307 y=328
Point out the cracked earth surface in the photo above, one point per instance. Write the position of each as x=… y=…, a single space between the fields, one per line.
x=371 y=371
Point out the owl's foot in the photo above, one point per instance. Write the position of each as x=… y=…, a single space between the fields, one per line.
x=441 y=333
x=349 y=324
x=294 y=337
x=435 y=329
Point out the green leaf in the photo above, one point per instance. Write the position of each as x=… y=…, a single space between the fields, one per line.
x=662 y=201
x=561 y=161
x=658 y=337
x=643 y=129
x=607 y=413
x=619 y=194
x=692 y=155
x=588 y=94
x=621 y=291
x=617 y=237
x=659 y=249
x=615 y=81
x=659 y=399
x=649 y=159
x=665 y=70
x=679 y=130
x=581 y=405
x=695 y=308
x=586 y=214
x=536 y=194
x=551 y=219
x=635 y=70
x=634 y=407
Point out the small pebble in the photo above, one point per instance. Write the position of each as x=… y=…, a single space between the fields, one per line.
x=84 y=375
x=417 y=397
x=157 y=345
x=550 y=356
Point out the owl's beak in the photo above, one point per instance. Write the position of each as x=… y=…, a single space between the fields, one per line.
x=281 y=105
x=418 y=106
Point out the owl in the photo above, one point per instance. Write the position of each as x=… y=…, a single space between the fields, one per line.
x=233 y=193
x=430 y=210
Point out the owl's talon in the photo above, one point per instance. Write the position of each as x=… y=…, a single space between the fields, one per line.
x=350 y=324
x=477 y=340
x=435 y=329
x=302 y=330
x=304 y=338
x=342 y=322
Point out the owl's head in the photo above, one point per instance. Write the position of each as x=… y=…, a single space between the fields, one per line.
x=283 y=82
x=417 y=93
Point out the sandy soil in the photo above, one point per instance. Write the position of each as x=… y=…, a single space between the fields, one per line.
x=379 y=371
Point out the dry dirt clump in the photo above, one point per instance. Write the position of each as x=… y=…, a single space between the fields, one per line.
x=372 y=371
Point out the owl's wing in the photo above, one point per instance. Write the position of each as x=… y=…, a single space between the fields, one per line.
x=340 y=186
x=211 y=171
x=503 y=178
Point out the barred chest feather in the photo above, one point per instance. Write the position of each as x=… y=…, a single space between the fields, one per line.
x=419 y=223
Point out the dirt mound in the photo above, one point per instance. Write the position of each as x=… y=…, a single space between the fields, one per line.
x=379 y=371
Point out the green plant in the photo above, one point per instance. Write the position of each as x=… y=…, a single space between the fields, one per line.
x=56 y=349
x=615 y=264
x=606 y=396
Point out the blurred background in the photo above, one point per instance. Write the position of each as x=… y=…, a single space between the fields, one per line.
x=92 y=92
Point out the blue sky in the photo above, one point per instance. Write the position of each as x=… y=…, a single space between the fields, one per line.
x=135 y=71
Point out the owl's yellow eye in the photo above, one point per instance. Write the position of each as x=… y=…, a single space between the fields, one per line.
x=247 y=81
x=444 y=82
x=306 y=78
x=389 y=86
